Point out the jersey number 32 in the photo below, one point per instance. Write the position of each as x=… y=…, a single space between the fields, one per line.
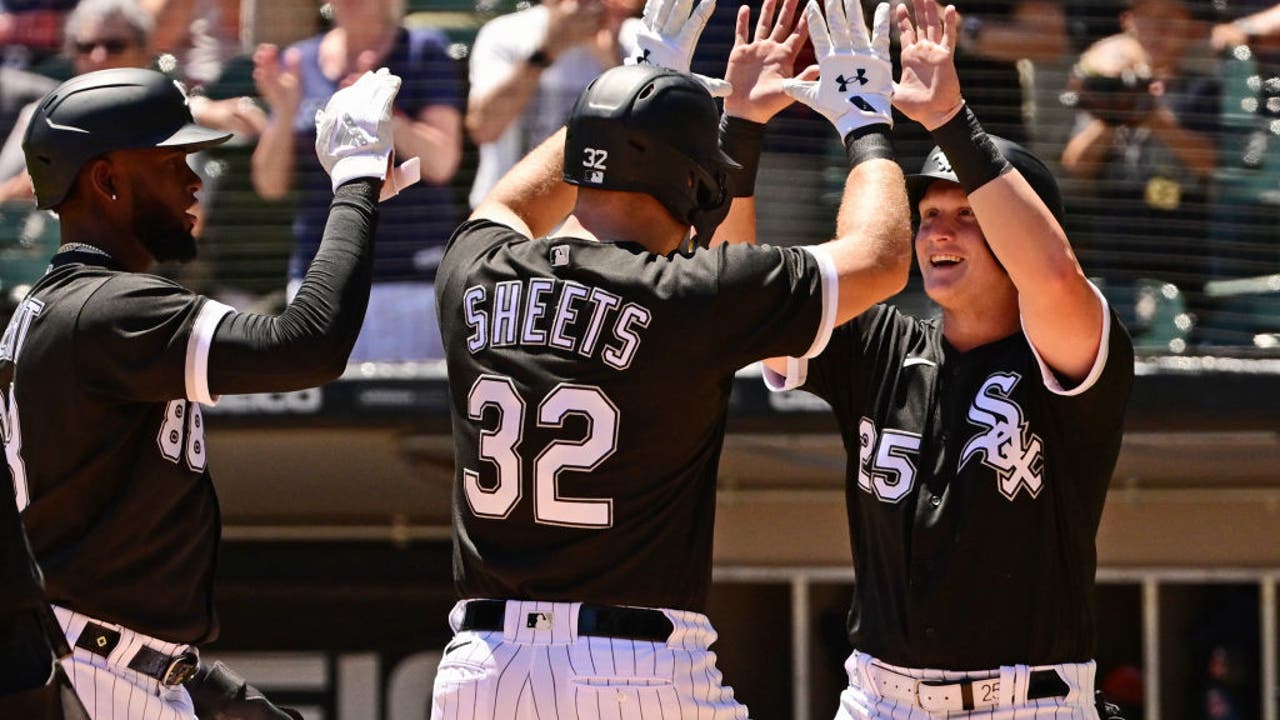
x=498 y=447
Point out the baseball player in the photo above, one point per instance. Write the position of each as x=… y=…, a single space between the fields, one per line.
x=103 y=369
x=984 y=442
x=590 y=372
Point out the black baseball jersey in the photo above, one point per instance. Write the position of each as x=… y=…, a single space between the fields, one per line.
x=100 y=375
x=590 y=384
x=975 y=488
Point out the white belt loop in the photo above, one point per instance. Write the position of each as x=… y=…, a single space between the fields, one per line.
x=1010 y=684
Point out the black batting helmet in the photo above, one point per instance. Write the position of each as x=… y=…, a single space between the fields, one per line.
x=937 y=167
x=646 y=129
x=101 y=111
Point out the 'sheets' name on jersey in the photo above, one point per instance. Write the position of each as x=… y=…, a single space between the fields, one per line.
x=543 y=312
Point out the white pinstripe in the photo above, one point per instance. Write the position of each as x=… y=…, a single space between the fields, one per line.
x=108 y=689
x=862 y=701
x=525 y=673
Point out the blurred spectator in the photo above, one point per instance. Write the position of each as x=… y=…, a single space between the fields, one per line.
x=1224 y=641
x=1149 y=102
x=31 y=30
x=18 y=90
x=1259 y=27
x=1027 y=48
x=401 y=320
x=102 y=34
x=1247 y=205
x=528 y=68
x=202 y=35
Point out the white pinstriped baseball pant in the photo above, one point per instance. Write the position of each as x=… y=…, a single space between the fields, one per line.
x=552 y=673
x=108 y=689
x=864 y=700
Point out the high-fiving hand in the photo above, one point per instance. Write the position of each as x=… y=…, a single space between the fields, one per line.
x=758 y=67
x=929 y=89
x=670 y=33
x=855 y=87
x=353 y=133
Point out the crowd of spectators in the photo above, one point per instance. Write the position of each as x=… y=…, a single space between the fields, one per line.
x=1161 y=118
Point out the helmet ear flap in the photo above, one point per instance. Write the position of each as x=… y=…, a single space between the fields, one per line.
x=713 y=203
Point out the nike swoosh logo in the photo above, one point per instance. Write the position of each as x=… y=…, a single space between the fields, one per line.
x=918 y=361
x=455 y=645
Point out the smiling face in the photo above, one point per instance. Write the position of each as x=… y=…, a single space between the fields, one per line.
x=959 y=271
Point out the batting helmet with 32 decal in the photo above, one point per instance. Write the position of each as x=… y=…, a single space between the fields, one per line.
x=641 y=128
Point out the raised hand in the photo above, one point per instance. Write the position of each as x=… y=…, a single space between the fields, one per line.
x=855 y=84
x=278 y=83
x=670 y=33
x=929 y=89
x=759 y=66
x=353 y=133
x=572 y=23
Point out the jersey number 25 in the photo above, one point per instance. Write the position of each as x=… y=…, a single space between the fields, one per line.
x=498 y=447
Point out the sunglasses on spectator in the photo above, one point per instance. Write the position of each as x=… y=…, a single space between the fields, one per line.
x=113 y=46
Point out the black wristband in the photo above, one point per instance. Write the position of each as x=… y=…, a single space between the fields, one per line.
x=975 y=160
x=870 y=142
x=742 y=140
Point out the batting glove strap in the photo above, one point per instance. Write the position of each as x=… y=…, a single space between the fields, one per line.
x=869 y=142
x=353 y=131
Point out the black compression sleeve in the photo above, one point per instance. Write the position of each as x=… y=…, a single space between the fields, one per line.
x=743 y=141
x=309 y=342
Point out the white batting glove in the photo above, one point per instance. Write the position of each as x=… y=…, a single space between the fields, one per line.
x=353 y=131
x=670 y=33
x=855 y=85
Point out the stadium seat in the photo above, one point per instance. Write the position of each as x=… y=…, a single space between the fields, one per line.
x=28 y=238
x=1154 y=311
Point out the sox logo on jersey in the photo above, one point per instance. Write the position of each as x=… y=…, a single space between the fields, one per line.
x=1007 y=446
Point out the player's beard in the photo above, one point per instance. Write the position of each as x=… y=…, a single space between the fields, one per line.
x=162 y=232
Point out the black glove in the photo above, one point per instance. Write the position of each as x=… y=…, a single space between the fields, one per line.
x=219 y=693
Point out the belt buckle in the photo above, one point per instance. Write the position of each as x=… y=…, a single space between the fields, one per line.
x=181 y=669
x=919 y=699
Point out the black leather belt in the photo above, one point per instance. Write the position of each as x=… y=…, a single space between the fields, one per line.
x=623 y=623
x=1046 y=684
x=167 y=669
